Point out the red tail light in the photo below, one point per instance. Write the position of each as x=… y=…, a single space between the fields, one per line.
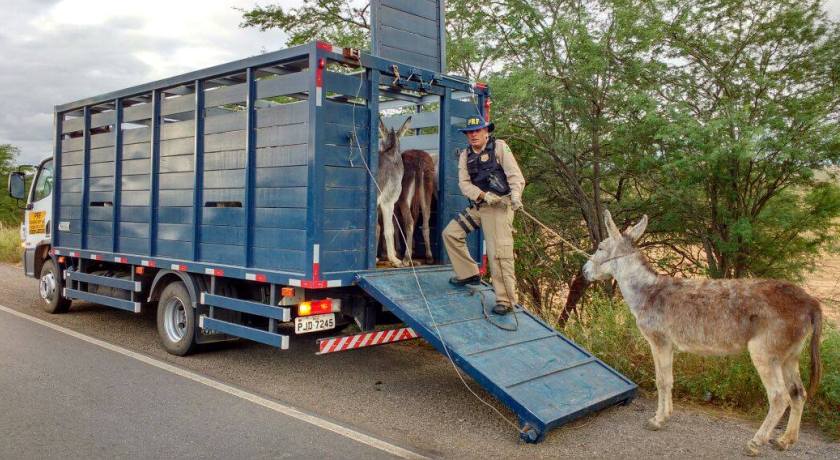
x=315 y=307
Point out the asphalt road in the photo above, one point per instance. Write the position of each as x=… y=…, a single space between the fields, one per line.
x=66 y=398
x=404 y=394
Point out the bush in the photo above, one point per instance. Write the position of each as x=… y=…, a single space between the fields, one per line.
x=10 y=250
x=607 y=328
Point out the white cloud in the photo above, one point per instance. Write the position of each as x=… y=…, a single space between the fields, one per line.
x=56 y=51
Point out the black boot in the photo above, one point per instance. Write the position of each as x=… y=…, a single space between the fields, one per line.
x=502 y=309
x=475 y=279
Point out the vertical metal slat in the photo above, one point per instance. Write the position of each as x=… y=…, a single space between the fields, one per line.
x=153 y=171
x=444 y=130
x=85 y=178
x=250 y=153
x=198 y=166
x=115 y=210
x=373 y=162
x=56 y=201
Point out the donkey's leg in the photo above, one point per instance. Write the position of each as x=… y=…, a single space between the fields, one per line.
x=378 y=231
x=408 y=230
x=388 y=230
x=663 y=357
x=425 y=209
x=769 y=368
x=793 y=383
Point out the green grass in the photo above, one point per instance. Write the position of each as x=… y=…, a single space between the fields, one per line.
x=607 y=328
x=10 y=249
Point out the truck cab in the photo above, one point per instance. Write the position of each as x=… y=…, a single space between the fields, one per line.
x=35 y=229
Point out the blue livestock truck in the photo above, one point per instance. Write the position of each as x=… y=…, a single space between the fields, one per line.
x=239 y=202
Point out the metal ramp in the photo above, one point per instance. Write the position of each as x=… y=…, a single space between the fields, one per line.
x=543 y=377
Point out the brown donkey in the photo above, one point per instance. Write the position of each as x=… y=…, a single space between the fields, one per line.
x=419 y=185
x=769 y=318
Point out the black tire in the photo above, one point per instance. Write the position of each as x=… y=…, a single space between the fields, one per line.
x=176 y=319
x=51 y=287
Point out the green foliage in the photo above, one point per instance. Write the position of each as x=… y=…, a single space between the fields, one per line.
x=10 y=250
x=606 y=327
x=9 y=212
x=335 y=21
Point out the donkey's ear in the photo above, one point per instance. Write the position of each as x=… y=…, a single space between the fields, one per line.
x=612 y=229
x=637 y=230
x=383 y=131
x=404 y=127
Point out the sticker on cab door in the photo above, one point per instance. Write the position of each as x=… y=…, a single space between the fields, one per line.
x=64 y=226
x=37 y=222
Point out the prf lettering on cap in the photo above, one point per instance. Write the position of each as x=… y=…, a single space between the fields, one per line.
x=474 y=121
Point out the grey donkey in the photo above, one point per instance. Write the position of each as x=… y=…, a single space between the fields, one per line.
x=771 y=319
x=389 y=176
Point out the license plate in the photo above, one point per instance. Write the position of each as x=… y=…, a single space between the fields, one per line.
x=307 y=324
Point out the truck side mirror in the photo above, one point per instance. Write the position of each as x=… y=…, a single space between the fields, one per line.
x=17 y=189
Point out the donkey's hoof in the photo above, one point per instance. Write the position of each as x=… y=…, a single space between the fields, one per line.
x=780 y=444
x=751 y=449
x=653 y=425
x=396 y=263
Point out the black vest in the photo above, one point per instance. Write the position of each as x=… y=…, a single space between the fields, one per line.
x=485 y=170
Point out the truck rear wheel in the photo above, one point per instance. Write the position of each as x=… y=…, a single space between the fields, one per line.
x=50 y=286
x=176 y=319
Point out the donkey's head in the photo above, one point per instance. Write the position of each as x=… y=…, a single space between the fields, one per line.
x=603 y=263
x=389 y=139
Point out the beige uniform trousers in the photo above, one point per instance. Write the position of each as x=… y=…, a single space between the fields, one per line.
x=497 y=224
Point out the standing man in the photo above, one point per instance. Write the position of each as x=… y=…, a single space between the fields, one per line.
x=490 y=177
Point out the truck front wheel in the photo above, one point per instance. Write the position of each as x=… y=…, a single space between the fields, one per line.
x=50 y=286
x=176 y=319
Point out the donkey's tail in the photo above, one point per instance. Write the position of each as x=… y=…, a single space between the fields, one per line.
x=816 y=362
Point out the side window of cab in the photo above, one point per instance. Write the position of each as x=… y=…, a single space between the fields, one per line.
x=44 y=184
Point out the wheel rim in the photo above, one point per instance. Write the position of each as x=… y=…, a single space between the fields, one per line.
x=175 y=319
x=47 y=287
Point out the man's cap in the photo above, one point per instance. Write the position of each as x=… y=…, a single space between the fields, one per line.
x=477 y=122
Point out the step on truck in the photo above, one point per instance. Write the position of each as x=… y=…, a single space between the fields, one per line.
x=238 y=202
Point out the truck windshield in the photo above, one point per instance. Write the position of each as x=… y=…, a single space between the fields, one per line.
x=44 y=183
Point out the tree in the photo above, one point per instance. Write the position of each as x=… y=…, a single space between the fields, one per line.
x=753 y=111
x=9 y=212
x=577 y=95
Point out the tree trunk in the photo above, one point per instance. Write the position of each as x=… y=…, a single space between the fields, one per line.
x=576 y=290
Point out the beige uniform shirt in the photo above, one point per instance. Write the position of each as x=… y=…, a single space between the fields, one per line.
x=509 y=165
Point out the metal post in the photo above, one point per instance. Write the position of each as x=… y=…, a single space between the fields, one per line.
x=250 y=155
x=198 y=167
x=118 y=151
x=373 y=160
x=443 y=211
x=85 y=177
x=153 y=171
x=56 y=201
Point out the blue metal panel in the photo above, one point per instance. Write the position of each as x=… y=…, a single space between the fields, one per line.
x=245 y=306
x=313 y=219
x=84 y=182
x=372 y=153
x=153 y=175
x=545 y=378
x=245 y=332
x=250 y=153
x=198 y=163
x=121 y=304
x=118 y=165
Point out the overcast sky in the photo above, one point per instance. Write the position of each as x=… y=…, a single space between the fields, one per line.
x=57 y=51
